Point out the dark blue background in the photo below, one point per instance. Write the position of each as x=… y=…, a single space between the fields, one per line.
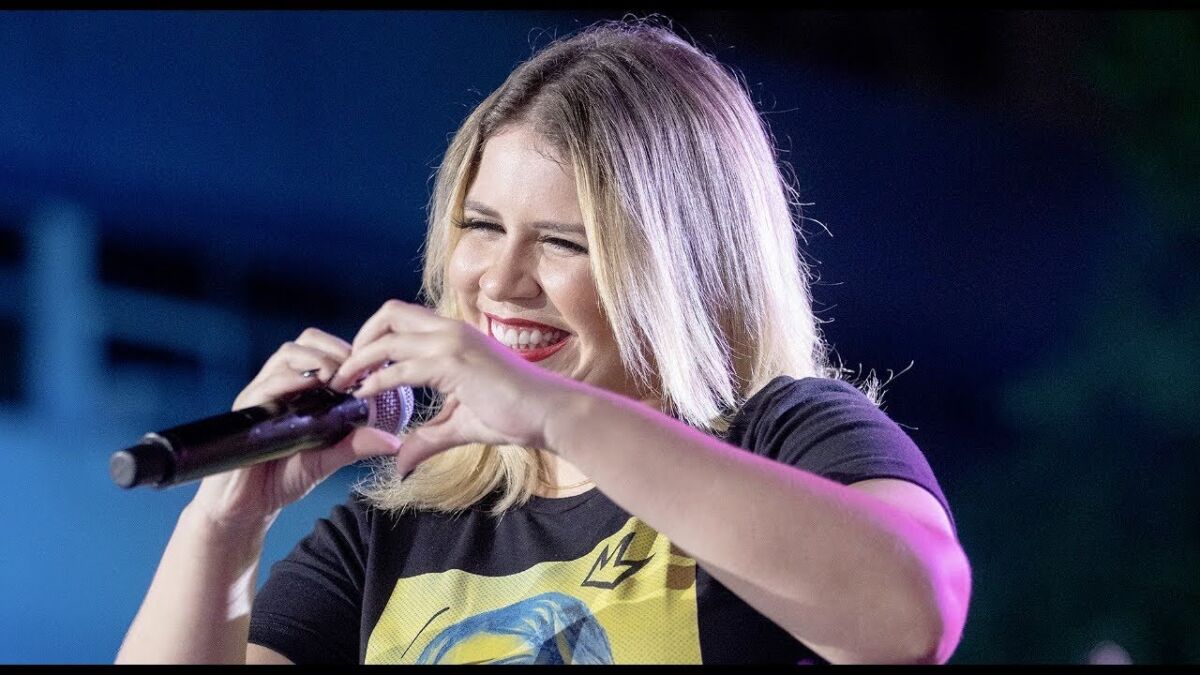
x=180 y=192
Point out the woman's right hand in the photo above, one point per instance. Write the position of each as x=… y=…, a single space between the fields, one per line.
x=253 y=496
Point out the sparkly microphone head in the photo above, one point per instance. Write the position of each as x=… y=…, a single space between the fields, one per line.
x=391 y=410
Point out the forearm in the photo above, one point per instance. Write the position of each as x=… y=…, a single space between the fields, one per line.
x=832 y=565
x=198 y=607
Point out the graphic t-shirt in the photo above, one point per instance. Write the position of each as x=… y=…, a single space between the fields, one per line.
x=566 y=580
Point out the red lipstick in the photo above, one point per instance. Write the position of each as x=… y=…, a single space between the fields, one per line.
x=529 y=354
x=523 y=323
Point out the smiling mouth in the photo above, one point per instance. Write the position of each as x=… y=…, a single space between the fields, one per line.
x=526 y=340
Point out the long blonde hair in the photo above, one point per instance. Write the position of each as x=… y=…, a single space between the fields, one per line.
x=692 y=232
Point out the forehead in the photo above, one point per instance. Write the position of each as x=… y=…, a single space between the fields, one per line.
x=519 y=163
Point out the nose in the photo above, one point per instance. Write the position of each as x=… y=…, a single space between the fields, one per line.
x=510 y=275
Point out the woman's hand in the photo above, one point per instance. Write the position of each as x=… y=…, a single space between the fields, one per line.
x=491 y=394
x=254 y=495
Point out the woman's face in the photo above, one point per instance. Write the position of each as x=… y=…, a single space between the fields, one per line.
x=521 y=270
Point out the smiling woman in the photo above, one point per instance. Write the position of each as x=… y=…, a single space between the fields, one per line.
x=621 y=188
x=639 y=452
x=520 y=271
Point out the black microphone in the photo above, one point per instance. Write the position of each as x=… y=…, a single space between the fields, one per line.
x=303 y=420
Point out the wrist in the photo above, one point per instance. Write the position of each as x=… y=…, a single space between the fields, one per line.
x=564 y=418
x=217 y=529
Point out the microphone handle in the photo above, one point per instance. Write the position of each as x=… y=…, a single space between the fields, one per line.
x=300 y=421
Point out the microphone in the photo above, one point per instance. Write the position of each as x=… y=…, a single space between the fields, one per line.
x=303 y=420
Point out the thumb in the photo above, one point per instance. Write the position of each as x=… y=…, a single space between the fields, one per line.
x=359 y=444
x=427 y=440
x=423 y=443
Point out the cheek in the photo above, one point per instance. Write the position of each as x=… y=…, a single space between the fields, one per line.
x=573 y=291
x=465 y=268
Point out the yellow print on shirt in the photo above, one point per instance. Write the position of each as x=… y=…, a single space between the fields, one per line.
x=632 y=599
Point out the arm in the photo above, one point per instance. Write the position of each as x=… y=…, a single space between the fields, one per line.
x=859 y=575
x=198 y=607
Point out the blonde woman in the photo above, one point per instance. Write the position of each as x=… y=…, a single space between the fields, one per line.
x=640 y=455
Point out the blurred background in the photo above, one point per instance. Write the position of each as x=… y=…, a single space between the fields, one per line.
x=1008 y=202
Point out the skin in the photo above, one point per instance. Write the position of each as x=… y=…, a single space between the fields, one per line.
x=507 y=266
x=866 y=573
x=870 y=572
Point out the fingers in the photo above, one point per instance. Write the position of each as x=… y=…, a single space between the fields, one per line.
x=327 y=349
x=319 y=339
x=274 y=386
x=299 y=359
x=429 y=439
x=419 y=325
x=403 y=349
x=396 y=317
x=306 y=362
x=359 y=444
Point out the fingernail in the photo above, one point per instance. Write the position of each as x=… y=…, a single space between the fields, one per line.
x=310 y=373
x=350 y=389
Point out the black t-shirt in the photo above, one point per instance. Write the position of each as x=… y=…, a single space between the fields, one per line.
x=567 y=580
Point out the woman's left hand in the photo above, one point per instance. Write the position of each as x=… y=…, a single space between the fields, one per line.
x=491 y=394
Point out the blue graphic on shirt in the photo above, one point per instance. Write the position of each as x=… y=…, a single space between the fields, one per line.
x=551 y=628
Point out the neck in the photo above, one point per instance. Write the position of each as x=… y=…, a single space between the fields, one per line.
x=559 y=478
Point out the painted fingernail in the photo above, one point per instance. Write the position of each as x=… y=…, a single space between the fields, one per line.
x=350 y=388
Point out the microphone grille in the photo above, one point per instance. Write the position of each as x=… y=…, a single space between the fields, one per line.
x=392 y=409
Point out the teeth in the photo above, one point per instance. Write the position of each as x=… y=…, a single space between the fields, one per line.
x=523 y=338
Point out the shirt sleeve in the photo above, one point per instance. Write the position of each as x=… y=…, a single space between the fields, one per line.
x=830 y=428
x=310 y=607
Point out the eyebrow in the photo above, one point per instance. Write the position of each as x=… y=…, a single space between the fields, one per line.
x=572 y=228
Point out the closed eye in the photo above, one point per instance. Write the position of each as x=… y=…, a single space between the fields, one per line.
x=472 y=224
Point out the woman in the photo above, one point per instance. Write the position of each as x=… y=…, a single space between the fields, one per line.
x=641 y=454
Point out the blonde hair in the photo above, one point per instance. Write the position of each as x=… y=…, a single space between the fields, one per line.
x=692 y=232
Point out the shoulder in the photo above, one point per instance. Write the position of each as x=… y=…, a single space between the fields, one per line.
x=810 y=389
x=798 y=403
x=830 y=428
